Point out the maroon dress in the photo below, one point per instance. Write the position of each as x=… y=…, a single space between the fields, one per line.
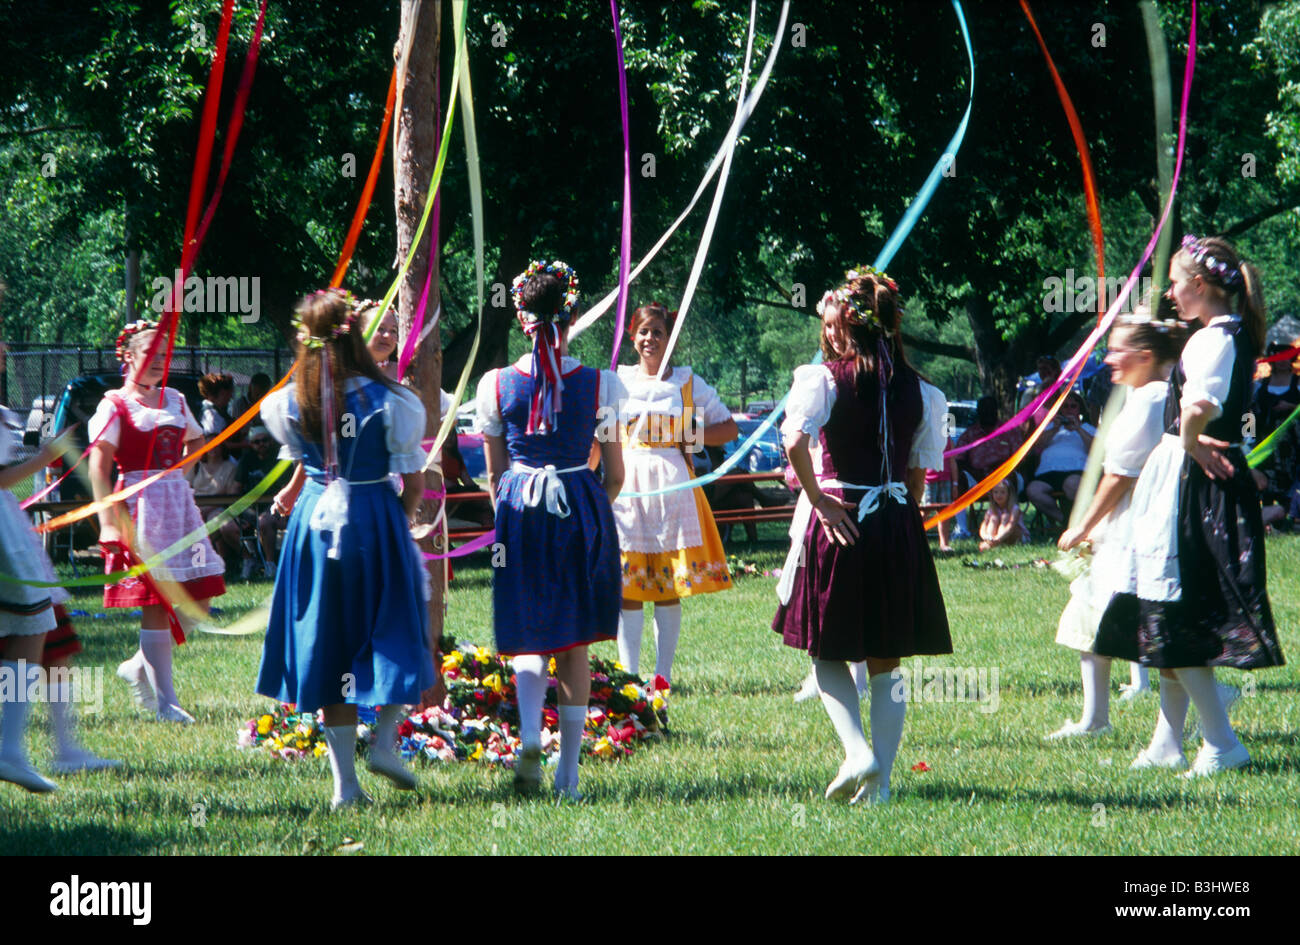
x=879 y=597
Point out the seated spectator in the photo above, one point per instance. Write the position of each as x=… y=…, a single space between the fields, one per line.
x=975 y=465
x=214 y=474
x=1275 y=397
x=258 y=386
x=1062 y=455
x=217 y=390
x=1049 y=370
x=1004 y=523
x=938 y=491
x=456 y=479
x=253 y=467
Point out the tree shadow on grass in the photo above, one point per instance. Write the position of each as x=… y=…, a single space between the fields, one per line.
x=31 y=836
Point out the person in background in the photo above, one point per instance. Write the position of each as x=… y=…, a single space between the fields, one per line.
x=1004 y=522
x=978 y=463
x=1275 y=398
x=1062 y=455
x=256 y=463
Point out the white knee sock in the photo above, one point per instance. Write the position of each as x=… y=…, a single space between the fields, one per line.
x=1199 y=683
x=631 y=624
x=859 y=671
x=840 y=699
x=62 y=720
x=530 y=685
x=668 y=627
x=1167 y=741
x=14 y=712
x=1137 y=676
x=341 y=740
x=156 y=646
x=572 y=720
x=887 y=716
x=1096 y=690
x=386 y=729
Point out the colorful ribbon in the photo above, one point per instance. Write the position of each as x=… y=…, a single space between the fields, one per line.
x=625 y=239
x=904 y=227
x=1075 y=366
x=368 y=191
x=1264 y=449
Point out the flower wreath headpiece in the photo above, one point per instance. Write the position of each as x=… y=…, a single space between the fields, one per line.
x=344 y=327
x=567 y=276
x=1164 y=325
x=132 y=329
x=1192 y=246
x=854 y=313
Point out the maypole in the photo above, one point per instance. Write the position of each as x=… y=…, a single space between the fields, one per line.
x=413 y=161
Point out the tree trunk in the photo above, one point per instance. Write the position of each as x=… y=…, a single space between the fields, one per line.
x=993 y=356
x=414 y=158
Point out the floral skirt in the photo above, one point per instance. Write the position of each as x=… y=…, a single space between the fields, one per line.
x=664 y=575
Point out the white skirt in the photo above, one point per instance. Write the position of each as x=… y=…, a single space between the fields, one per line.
x=659 y=523
x=1091 y=591
x=22 y=556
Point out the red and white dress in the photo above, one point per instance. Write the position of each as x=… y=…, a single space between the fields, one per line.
x=164 y=512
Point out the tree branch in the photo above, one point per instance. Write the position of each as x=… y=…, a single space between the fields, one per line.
x=961 y=352
x=1290 y=202
x=1067 y=327
x=41 y=130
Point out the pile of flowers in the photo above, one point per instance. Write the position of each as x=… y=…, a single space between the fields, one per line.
x=739 y=567
x=479 y=719
x=997 y=564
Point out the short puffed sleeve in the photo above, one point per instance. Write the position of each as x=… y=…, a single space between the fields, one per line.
x=485 y=405
x=708 y=405
x=613 y=392
x=929 y=440
x=404 y=420
x=106 y=423
x=275 y=417
x=1207 y=361
x=1136 y=431
x=812 y=395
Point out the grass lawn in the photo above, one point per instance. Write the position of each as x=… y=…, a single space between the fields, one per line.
x=744 y=771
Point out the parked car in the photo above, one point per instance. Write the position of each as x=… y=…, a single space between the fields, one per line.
x=767 y=455
x=963 y=415
x=760 y=408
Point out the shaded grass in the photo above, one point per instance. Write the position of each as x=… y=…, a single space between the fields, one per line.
x=744 y=772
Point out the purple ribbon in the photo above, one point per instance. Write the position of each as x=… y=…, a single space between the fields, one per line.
x=482 y=541
x=625 y=244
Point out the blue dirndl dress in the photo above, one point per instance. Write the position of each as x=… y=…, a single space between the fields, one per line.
x=352 y=629
x=560 y=585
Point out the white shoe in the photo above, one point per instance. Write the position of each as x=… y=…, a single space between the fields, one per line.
x=360 y=799
x=132 y=671
x=174 y=713
x=871 y=794
x=390 y=766
x=1144 y=760
x=1128 y=692
x=1210 y=762
x=79 y=759
x=1074 y=729
x=809 y=689
x=528 y=771
x=24 y=775
x=852 y=774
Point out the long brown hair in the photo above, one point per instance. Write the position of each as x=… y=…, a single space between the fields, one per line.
x=327 y=318
x=863 y=317
x=1245 y=296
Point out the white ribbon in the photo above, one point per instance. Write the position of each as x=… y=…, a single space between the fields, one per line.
x=803 y=512
x=331 y=511
x=545 y=483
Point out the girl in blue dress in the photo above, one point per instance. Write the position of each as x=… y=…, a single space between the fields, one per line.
x=349 y=622
x=559 y=587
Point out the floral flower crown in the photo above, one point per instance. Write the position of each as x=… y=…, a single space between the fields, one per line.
x=123 y=339
x=1192 y=246
x=567 y=276
x=344 y=327
x=1162 y=325
x=854 y=313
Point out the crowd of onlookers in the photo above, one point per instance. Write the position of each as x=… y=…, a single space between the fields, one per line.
x=1048 y=477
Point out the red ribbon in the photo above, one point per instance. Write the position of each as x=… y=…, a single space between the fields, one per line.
x=173 y=622
x=359 y=217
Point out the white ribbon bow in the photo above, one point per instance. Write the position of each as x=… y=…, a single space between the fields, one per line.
x=803 y=514
x=331 y=514
x=545 y=483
